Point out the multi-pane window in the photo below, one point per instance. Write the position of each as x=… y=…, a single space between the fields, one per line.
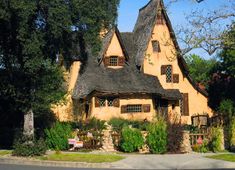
x=106 y=101
x=181 y=107
x=110 y=102
x=169 y=74
x=134 y=108
x=113 y=61
x=102 y=102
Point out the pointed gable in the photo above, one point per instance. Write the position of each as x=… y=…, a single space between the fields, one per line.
x=144 y=28
x=112 y=47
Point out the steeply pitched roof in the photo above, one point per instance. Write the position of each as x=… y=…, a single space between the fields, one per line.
x=143 y=29
x=97 y=78
x=142 y=35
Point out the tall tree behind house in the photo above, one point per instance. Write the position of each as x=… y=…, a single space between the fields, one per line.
x=32 y=33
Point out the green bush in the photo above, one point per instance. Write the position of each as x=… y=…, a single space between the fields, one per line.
x=89 y=125
x=231 y=133
x=25 y=148
x=226 y=108
x=118 y=124
x=131 y=139
x=157 y=136
x=57 y=136
x=203 y=148
x=215 y=136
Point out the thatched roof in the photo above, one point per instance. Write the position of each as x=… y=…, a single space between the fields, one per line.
x=128 y=80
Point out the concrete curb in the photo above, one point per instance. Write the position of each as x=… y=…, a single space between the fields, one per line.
x=16 y=161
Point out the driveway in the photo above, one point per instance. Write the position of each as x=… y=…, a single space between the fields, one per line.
x=174 y=161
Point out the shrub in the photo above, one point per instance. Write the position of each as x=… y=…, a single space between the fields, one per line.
x=57 y=136
x=157 y=136
x=203 y=148
x=231 y=133
x=131 y=139
x=118 y=124
x=25 y=148
x=226 y=108
x=216 y=135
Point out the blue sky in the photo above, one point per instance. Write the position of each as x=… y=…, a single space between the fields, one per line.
x=128 y=12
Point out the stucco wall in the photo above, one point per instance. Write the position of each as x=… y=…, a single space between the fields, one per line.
x=64 y=110
x=114 y=49
x=106 y=113
x=152 y=65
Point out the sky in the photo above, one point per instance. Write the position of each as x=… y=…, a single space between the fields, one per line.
x=128 y=13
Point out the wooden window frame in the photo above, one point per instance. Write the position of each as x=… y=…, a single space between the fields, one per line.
x=113 y=61
x=184 y=104
x=109 y=61
x=156 y=46
x=115 y=102
x=169 y=78
x=136 y=108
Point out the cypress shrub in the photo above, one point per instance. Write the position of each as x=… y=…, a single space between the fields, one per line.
x=131 y=139
x=157 y=136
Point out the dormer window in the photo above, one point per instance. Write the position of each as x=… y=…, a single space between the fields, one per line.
x=156 y=46
x=113 y=61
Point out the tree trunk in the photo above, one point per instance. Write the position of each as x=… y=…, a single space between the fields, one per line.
x=28 y=130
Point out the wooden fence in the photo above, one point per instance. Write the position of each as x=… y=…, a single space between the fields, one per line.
x=93 y=141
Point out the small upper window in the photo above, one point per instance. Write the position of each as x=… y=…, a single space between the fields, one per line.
x=110 y=102
x=156 y=46
x=113 y=61
x=168 y=73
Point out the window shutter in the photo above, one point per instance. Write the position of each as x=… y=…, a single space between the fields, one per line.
x=156 y=46
x=97 y=102
x=116 y=102
x=185 y=104
x=121 y=61
x=175 y=78
x=106 y=61
x=163 y=69
x=146 y=108
x=123 y=108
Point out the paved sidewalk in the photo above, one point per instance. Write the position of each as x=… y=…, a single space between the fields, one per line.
x=135 y=161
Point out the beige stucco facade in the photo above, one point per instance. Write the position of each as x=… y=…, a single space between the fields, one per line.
x=64 y=109
x=167 y=56
x=106 y=113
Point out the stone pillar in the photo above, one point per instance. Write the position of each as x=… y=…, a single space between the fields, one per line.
x=185 y=145
x=107 y=143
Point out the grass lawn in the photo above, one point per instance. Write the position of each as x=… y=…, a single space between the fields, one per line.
x=224 y=157
x=89 y=158
x=5 y=152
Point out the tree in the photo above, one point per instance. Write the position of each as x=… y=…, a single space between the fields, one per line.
x=205 y=28
x=222 y=84
x=199 y=68
x=32 y=35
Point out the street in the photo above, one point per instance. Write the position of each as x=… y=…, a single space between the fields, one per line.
x=23 y=167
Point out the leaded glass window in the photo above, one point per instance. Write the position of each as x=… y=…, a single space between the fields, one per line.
x=134 y=108
x=113 y=61
x=102 y=102
x=169 y=74
x=110 y=101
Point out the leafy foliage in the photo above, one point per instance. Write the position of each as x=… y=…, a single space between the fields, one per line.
x=33 y=35
x=222 y=84
x=215 y=141
x=199 y=68
x=231 y=135
x=118 y=124
x=131 y=139
x=24 y=148
x=157 y=136
x=57 y=136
